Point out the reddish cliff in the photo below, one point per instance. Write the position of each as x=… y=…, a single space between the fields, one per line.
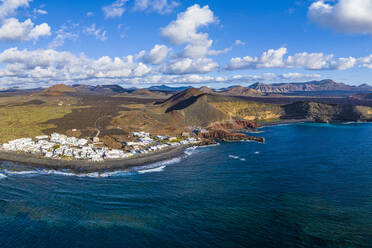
x=223 y=135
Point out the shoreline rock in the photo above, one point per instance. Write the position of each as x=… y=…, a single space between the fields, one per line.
x=225 y=136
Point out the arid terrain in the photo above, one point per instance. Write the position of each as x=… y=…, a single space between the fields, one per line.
x=112 y=113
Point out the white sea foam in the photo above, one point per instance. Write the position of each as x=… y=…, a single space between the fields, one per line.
x=90 y=175
x=28 y=172
x=257 y=152
x=212 y=145
x=233 y=157
x=115 y=173
x=158 y=169
x=237 y=158
x=192 y=150
x=154 y=167
x=59 y=173
x=64 y=173
x=354 y=122
x=189 y=151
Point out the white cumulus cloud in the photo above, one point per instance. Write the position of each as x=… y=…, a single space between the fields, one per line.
x=116 y=9
x=270 y=59
x=156 y=56
x=160 y=6
x=67 y=31
x=184 y=29
x=348 y=16
x=99 y=33
x=9 y=7
x=239 y=43
x=13 y=30
x=278 y=59
x=44 y=65
x=189 y=66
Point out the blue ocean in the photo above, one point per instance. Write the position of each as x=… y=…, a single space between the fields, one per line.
x=309 y=185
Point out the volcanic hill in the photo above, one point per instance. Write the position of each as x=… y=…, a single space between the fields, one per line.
x=58 y=90
x=198 y=108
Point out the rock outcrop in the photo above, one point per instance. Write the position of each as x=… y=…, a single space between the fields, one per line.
x=235 y=124
x=111 y=142
x=223 y=135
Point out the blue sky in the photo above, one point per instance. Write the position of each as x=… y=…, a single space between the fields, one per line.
x=184 y=42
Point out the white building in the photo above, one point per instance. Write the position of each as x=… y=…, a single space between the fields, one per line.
x=42 y=137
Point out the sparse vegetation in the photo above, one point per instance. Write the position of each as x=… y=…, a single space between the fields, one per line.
x=253 y=111
x=27 y=121
x=116 y=116
x=176 y=140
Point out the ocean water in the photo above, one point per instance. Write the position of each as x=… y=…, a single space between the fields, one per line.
x=310 y=185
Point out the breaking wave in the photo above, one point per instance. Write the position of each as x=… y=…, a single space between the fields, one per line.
x=64 y=173
x=155 y=167
x=150 y=168
x=158 y=169
x=237 y=158
x=233 y=157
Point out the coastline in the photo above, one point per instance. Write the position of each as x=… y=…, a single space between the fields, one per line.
x=81 y=166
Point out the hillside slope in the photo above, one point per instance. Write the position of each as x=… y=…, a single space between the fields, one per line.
x=320 y=112
x=195 y=108
x=58 y=90
x=198 y=108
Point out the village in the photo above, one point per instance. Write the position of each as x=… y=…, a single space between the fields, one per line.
x=59 y=146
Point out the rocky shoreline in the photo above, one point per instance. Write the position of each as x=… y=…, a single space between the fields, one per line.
x=225 y=136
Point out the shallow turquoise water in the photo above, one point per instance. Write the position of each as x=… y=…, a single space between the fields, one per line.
x=310 y=185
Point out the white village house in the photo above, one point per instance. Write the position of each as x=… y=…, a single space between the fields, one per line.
x=59 y=146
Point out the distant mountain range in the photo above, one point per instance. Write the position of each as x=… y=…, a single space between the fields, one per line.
x=239 y=91
x=117 y=89
x=312 y=86
x=327 y=86
x=259 y=89
x=167 y=88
